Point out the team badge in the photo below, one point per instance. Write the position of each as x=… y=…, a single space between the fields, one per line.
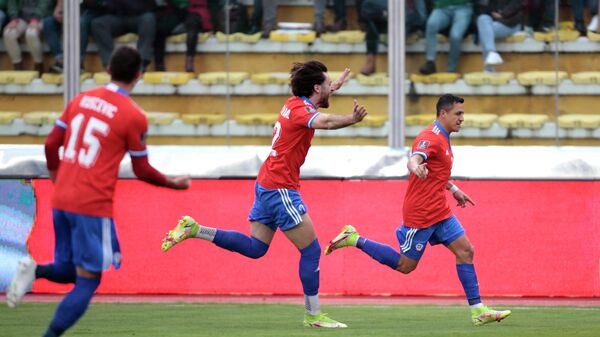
x=423 y=144
x=419 y=247
x=310 y=110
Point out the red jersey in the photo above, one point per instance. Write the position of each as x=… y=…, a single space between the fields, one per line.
x=292 y=136
x=425 y=202
x=101 y=125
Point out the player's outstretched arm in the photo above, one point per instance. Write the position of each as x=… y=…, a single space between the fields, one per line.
x=145 y=172
x=335 y=86
x=417 y=166
x=179 y=183
x=332 y=122
x=461 y=197
x=51 y=149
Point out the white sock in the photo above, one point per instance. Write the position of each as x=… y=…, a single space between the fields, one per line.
x=476 y=306
x=311 y=304
x=206 y=233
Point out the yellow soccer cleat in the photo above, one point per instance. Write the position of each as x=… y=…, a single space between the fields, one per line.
x=322 y=321
x=186 y=228
x=484 y=315
x=347 y=237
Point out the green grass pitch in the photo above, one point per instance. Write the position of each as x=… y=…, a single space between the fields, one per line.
x=228 y=319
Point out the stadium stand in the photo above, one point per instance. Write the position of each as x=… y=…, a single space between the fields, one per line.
x=215 y=101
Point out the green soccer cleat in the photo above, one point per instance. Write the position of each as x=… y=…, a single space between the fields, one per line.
x=484 y=315
x=186 y=228
x=348 y=237
x=322 y=321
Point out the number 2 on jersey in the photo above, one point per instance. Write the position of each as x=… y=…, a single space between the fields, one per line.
x=86 y=156
x=276 y=134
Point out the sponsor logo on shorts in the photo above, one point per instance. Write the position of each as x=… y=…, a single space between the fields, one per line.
x=117 y=258
x=301 y=208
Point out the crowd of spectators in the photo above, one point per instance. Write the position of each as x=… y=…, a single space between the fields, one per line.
x=155 y=20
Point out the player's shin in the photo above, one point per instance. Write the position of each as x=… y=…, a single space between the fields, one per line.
x=381 y=253
x=309 y=275
x=240 y=243
x=73 y=306
x=468 y=279
x=57 y=272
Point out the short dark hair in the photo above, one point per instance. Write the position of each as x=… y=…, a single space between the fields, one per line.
x=305 y=75
x=125 y=63
x=446 y=101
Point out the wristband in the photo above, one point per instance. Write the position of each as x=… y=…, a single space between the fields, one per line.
x=453 y=189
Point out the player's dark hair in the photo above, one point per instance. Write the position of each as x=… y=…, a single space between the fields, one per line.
x=446 y=102
x=305 y=75
x=125 y=63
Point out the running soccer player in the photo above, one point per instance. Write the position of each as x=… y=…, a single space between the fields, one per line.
x=277 y=201
x=427 y=215
x=96 y=130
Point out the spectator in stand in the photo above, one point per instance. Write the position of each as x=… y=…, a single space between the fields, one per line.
x=593 y=26
x=265 y=14
x=198 y=19
x=375 y=14
x=2 y=12
x=52 y=27
x=267 y=10
x=540 y=15
x=577 y=7
x=168 y=17
x=340 y=22
x=455 y=14
x=195 y=16
x=497 y=19
x=122 y=17
x=25 y=16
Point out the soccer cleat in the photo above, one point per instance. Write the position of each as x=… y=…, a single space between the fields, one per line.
x=21 y=282
x=322 y=321
x=348 y=237
x=484 y=315
x=186 y=228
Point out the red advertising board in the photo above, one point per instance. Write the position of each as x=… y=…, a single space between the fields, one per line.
x=531 y=238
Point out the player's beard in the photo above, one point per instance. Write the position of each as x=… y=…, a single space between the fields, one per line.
x=324 y=102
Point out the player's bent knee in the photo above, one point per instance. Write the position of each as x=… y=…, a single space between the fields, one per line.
x=88 y=274
x=405 y=269
x=312 y=251
x=466 y=255
x=259 y=248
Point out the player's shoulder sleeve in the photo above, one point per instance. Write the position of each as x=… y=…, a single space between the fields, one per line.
x=426 y=144
x=303 y=115
x=136 y=131
x=68 y=113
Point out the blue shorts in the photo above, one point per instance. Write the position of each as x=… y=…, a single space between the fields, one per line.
x=89 y=242
x=414 y=240
x=279 y=208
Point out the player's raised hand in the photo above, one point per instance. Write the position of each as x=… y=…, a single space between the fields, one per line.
x=179 y=183
x=340 y=81
x=421 y=171
x=462 y=198
x=359 y=112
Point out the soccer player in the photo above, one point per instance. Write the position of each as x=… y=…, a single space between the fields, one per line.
x=427 y=215
x=96 y=129
x=277 y=201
